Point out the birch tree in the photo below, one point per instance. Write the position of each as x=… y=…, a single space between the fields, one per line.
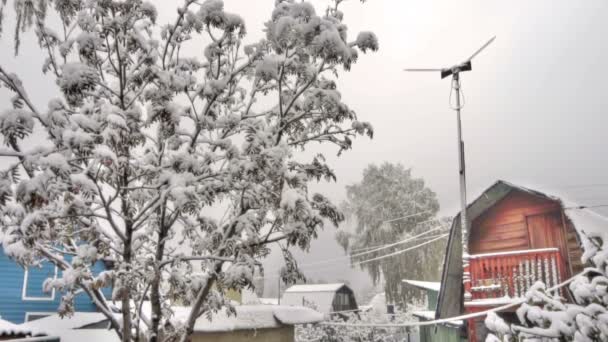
x=387 y=206
x=145 y=139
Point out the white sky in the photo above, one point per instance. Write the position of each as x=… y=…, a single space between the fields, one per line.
x=536 y=99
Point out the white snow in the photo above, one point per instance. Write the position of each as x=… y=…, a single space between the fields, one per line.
x=426 y=285
x=523 y=251
x=9 y=329
x=315 y=288
x=87 y=335
x=378 y=303
x=430 y=316
x=491 y=301
x=269 y=301
x=319 y=296
x=54 y=323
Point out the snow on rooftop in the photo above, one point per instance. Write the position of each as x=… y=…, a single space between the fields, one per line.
x=319 y=300
x=9 y=329
x=269 y=301
x=53 y=322
x=251 y=317
x=315 y=288
x=426 y=285
x=87 y=335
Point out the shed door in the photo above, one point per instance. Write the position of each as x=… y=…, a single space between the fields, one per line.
x=545 y=231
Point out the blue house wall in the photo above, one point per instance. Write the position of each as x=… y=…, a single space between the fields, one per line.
x=17 y=301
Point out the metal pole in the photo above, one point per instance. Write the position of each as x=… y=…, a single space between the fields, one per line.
x=466 y=278
x=462 y=171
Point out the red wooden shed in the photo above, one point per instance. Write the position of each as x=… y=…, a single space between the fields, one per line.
x=517 y=236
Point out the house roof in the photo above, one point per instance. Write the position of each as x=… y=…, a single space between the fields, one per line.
x=54 y=322
x=251 y=317
x=86 y=335
x=10 y=329
x=586 y=223
x=315 y=288
x=425 y=285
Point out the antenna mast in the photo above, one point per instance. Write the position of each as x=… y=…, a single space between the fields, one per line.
x=455 y=71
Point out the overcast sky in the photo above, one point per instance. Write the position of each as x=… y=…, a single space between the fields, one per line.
x=536 y=99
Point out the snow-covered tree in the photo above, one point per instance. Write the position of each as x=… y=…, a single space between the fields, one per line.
x=389 y=205
x=548 y=316
x=146 y=141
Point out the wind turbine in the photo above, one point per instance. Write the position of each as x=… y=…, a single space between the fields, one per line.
x=455 y=71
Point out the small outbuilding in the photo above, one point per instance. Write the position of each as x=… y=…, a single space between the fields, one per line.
x=325 y=298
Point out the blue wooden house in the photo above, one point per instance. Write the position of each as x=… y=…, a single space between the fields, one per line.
x=22 y=298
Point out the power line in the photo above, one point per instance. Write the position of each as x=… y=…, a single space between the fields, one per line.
x=376 y=258
x=369 y=252
x=374 y=246
x=401 y=251
x=406 y=216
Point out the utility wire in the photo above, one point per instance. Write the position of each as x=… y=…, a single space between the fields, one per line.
x=401 y=251
x=406 y=216
x=375 y=246
x=373 y=259
x=330 y=261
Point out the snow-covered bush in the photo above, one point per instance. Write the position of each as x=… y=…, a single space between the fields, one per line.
x=547 y=316
x=150 y=136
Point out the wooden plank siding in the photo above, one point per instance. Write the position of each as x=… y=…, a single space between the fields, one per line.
x=13 y=307
x=523 y=221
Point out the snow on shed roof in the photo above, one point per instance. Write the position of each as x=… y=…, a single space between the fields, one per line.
x=315 y=288
x=251 y=317
x=425 y=285
x=54 y=323
x=87 y=335
x=10 y=329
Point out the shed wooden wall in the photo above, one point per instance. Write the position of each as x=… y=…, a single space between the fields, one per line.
x=504 y=227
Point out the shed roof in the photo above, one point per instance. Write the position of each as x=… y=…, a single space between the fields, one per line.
x=321 y=296
x=55 y=322
x=586 y=223
x=315 y=288
x=425 y=285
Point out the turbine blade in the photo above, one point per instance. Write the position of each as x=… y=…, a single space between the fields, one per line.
x=481 y=48
x=422 y=69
